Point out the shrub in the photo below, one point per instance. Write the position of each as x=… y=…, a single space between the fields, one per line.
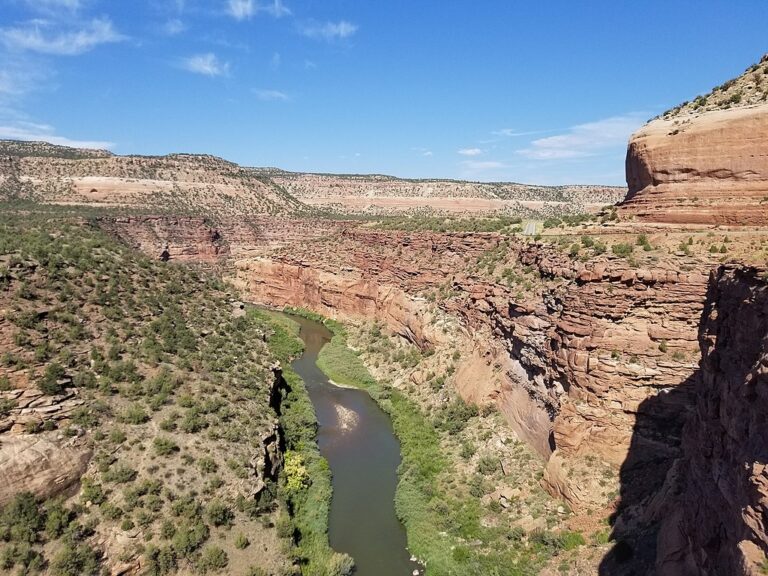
x=622 y=250
x=120 y=474
x=207 y=465
x=453 y=417
x=190 y=535
x=91 y=492
x=134 y=414
x=159 y=561
x=488 y=465
x=571 y=540
x=21 y=520
x=75 y=560
x=213 y=559
x=164 y=446
x=241 y=541
x=49 y=384
x=219 y=514
x=57 y=519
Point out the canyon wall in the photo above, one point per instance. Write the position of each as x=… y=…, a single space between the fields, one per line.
x=705 y=168
x=568 y=363
x=718 y=523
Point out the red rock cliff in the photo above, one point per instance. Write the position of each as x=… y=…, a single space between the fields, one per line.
x=718 y=524
x=708 y=168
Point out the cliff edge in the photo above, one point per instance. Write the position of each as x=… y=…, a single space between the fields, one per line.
x=705 y=161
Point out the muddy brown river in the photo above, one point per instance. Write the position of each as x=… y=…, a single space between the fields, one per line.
x=357 y=439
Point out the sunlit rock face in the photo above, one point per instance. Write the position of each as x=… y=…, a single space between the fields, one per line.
x=707 y=168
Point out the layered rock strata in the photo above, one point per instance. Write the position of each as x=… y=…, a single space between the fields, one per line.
x=718 y=522
x=705 y=168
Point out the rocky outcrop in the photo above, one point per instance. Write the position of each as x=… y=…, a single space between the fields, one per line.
x=705 y=168
x=718 y=522
x=44 y=464
x=568 y=363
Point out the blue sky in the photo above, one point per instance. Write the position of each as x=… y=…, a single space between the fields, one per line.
x=542 y=92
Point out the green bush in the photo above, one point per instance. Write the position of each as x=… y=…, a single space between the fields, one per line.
x=159 y=561
x=134 y=414
x=453 y=417
x=241 y=541
x=213 y=559
x=164 y=446
x=622 y=250
x=488 y=465
x=49 y=383
x=219 y=514
x=190 y=535
x=76 y=560
x=21 y=520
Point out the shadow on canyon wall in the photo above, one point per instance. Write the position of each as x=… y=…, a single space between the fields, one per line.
x=652 y=458
x=693 y=485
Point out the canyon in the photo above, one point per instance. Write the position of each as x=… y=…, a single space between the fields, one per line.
x=633 y=341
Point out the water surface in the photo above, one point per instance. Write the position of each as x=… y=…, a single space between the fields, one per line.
x=357 y=439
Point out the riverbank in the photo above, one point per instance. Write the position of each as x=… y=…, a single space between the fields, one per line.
x=463 y=512
x=305 y=482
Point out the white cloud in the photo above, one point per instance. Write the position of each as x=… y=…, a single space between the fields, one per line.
x=174 y=26
x=36 y=36
x=423 y=152
x=586 y=140
x=329 y=30
x=470 y=152
x=511 y=132
x=271 y=95
x=41 y=132
x=54 y=5
x=277 y=9
x=206 y=64
x=241 y=9
x=246 y=9
x=275 y=61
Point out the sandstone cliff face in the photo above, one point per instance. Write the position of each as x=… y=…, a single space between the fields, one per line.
x=568 y=365
x=718 y=524
x=708 y=168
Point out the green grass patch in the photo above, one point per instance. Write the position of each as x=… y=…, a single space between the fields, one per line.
x=437 y=518
x=309 y=500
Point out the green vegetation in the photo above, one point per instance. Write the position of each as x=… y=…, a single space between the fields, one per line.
x=170 y=381
x=305 y=481
x=504 y=224
x=437 y=517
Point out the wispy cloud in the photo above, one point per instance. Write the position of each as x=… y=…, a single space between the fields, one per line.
x=470 y=152
x=275 y=61
x=206 y=64
x=512 y=133
x=51 y=6
x=427 y=153
x=329 y=31
x=42 y=132
x=586 y=140
x=38 y=36
x=271 y=95
x=174 y=27
x=246 y=9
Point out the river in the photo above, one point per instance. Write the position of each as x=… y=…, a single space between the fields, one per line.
x=357 y=439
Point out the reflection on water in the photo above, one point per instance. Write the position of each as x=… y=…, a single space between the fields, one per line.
x=357 y=439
